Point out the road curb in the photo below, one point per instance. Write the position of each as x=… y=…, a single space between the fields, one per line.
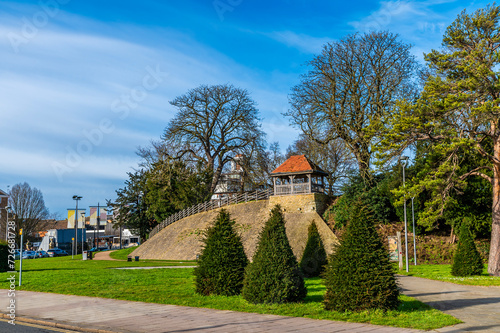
x=49 y=323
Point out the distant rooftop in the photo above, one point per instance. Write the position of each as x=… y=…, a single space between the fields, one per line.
x=298 y=164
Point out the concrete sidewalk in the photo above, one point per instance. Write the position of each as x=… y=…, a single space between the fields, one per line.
x=105 y=315
x=477 y=307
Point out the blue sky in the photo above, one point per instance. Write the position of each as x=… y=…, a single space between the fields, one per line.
x=83 y=84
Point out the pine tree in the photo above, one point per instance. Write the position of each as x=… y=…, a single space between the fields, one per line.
x=274 y=275
x=221 y=265
x=314 y=258
x=467 y=261
x=359 y=275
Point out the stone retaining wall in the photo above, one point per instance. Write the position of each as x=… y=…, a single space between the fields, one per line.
x=297 y=203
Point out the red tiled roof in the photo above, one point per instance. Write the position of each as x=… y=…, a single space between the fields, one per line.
x=298 y=163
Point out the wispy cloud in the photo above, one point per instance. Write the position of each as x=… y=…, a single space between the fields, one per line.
x=61 y=86
x=421 y=23
x=302 y=42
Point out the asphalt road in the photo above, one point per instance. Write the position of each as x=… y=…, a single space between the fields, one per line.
x=19 y=327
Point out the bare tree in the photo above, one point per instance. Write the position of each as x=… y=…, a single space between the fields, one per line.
x=258 y=163
x=351 y=91
x=28 y=208
x=332 y=157
x=213 y=124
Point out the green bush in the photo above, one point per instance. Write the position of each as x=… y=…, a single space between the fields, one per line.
x=221 y=265
x=274 y=275
x=376 y=194
x=467 y=260
x=359 y=275
x=4 y=257
x=314 y=258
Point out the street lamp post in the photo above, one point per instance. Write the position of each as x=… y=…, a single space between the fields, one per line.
x=414 y=233
x=404 y=161
x=98 y=226
x=7 y=209
x=76 y=198
x=83 y=226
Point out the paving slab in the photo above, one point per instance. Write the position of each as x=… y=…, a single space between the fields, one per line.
x=92 y=313
x=478 y=307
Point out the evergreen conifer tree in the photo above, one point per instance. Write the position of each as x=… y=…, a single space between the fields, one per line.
x=274 y=275
x=467 y=261
x=221 y=265
x=359 y=275
x=314 y=258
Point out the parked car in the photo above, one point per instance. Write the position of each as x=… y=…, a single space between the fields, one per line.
x=42 y=254
x=17 y=254
x=29 y=255
x=56 y=252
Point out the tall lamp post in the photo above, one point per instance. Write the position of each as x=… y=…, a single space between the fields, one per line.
x=76 y=198
x=83 y=226
x=414 y=233
x=7 y=209
x=98 y=226
x=404 y=161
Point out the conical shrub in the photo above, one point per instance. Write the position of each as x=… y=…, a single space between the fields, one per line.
x=466 y=261
x=274 y=275
x=221 y=265
x=313 y=260
x=359 y=275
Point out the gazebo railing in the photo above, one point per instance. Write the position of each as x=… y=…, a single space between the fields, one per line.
x=298 y=189
x=282 y=189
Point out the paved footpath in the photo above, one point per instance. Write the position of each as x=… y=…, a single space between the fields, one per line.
x=101 y=315
x=478 y=307
x=104 y=255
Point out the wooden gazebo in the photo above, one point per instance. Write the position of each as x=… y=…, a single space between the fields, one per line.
x=298 y=175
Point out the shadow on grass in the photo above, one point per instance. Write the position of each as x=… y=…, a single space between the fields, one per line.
x=313 y=299
x=412 y=306
x=52 y=269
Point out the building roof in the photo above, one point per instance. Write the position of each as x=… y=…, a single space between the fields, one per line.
x=3 y=194
x=298 y=164
x=56 y=224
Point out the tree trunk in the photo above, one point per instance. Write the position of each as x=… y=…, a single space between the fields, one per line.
x=216 y=178
x=494 y=259
x=452 y=236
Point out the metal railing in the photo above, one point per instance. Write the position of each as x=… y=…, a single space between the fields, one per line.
x=212 y=204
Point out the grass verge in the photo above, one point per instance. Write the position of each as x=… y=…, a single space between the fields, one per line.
x=124 y=253
x=176 y=286
x=443 y=273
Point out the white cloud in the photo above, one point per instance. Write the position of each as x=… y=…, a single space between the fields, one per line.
x=302 y=42
x=420 y=23
x=64 y=82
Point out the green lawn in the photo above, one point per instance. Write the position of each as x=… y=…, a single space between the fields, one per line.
x=124 y=253
x=176 y=286
x=442 y=273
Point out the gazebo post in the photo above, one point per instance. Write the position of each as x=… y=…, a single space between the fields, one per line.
x=274 y=182
x=310 y=183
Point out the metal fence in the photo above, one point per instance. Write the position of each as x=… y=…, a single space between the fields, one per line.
x=212 y=204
